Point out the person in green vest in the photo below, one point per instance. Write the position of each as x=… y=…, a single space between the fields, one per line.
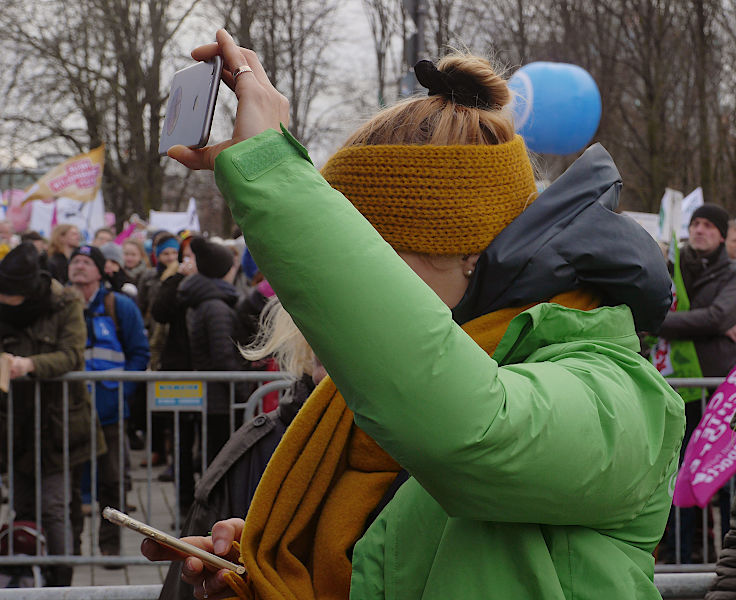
x=699 y=332
x=488 y=428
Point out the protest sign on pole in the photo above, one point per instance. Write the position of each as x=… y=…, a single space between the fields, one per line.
x=78 y=178
x=669 y=214
x=710 y=456
x=87 y=216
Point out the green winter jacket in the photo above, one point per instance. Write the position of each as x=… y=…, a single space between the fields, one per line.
x=545 y=472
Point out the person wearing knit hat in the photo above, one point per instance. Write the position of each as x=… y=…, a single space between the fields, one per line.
x=702 y=329
x=112 y=252
x=93 y=253
x=117 y=277
x=116 y=340
x=42 y=333
x=213 y=260
x=205 y=301
x=482 y=353
x=717 y=217
x=20 y=274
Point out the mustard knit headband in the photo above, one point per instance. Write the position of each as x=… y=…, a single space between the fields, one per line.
x=436 y=199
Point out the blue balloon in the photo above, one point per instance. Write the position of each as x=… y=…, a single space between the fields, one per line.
x=557 y=107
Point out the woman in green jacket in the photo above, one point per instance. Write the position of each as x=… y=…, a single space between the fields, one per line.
x=491 y=376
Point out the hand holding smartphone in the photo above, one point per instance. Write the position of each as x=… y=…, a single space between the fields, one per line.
x=217 y=562
x=191 y=105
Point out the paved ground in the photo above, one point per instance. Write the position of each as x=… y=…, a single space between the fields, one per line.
x=161 y=516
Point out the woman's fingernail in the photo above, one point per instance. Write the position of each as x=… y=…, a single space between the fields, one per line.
x=221 y=546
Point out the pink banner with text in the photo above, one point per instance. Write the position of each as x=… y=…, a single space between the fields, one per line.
x=710 y=456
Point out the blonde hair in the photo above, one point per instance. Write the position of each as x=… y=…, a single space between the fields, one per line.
x=279 y=337
x=440 y=121
x=56 y=245
x=141 y=249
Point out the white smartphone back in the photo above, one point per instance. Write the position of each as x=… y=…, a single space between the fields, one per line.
x=191 y=105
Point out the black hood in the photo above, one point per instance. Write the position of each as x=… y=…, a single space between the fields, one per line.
x=568 y=238
x=197 y=288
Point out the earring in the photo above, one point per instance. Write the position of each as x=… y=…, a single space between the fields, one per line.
x=469 y=273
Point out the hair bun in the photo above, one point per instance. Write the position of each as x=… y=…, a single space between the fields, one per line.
x=464 y=79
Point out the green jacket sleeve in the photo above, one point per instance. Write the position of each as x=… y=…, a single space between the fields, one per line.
x=487 y=443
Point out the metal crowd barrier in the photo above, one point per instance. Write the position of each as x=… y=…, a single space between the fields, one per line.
x=671 y=586
x=174 y=392
x=188 y=394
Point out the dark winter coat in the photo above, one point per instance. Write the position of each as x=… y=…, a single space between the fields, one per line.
x=711 y=287
x=56 y=344
x=148 y=285
x=227 y=486
x=213 y=330
x=58 y=265
x=167 y=309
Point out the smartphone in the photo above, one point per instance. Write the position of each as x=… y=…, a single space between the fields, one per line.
x=191 y=105
x=123 y=520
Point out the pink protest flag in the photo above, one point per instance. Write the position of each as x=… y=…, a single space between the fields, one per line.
x=16 y=211
x=710 y=456
x=126 y=233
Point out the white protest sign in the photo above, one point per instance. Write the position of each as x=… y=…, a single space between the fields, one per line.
x=87 y=216
x=669 y=214
x=649 y=221
x=175 y=221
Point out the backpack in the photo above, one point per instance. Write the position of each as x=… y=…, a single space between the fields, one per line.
x=25 y=534
x=109 y=303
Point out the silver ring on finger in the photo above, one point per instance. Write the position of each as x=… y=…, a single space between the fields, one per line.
x=204 y=590
x=240 y=70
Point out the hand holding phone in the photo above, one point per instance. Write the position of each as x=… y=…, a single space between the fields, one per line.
x=217 y=562
x=191 y=105
x=260 y=105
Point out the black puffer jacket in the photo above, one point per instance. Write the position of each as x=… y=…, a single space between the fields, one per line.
x=711 y=288
x=570 y=238
x=213 y=330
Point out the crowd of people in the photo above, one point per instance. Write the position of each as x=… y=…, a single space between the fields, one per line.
x=473 y=413
x=173 y=301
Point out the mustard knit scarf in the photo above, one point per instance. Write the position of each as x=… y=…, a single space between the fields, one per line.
x=324 y=479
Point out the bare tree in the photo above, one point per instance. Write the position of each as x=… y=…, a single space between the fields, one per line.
x=386 y=20
x=96 y=77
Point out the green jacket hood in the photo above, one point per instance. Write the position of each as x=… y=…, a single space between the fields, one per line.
x=548 y=323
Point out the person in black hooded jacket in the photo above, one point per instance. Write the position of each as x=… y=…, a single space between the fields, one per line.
x=213 y=329
x=229 y=483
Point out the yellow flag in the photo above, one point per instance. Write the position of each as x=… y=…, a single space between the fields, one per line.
x=78 y=178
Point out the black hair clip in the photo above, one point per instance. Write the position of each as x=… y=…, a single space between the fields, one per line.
x=456 y=86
